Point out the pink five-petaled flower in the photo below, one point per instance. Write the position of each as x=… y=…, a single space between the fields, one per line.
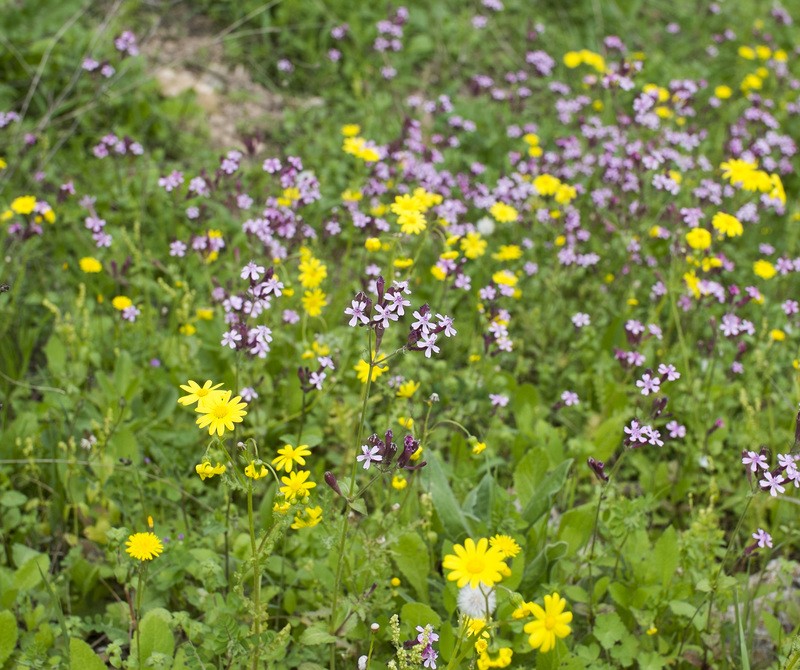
x=755 y=461
x=428 y=343
x=773 y=483
x=369 y=455
x=384 y=315
x=763 y=538
x=356 y=310
x=252 y=271
x=670 y=371
x=648 y=384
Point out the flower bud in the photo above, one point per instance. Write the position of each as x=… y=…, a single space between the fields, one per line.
x=330 y=480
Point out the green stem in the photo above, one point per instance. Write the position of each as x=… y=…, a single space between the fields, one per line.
x=256 y=577
x=139 y=589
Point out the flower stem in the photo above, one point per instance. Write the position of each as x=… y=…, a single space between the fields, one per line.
x=256 y=577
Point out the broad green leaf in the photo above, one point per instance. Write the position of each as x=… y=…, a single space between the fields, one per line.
x=8 y=635
x=155 y=634
x=609 y=629
x=29 y=575
x=542 y=499
x=576 y=526
x=665 y=557
x=82 y=656
x=539 y=568
x=447 y=508
x=411 y=557
x=316 y=634
x=418 y=614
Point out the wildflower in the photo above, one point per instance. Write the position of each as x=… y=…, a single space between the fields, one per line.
x=357 y=312
x=764 y=269
x=24 y=204
x=755 y=461
x=220 y=412
x=206 y=470
x=508 y=252
x=727 y=224
x=252 y=271
x=648 y=384
x=503 y=213
x=503 y=659
x=763 y=538
x=474 y=564
x=570 y=398
x=407 y=389
x=506 y=544
x=143 y=546
x=90 y=265
x=773 y=483
x=197 y=393
x=473 y=245
x=551 y=623
x=580 y=320
x=296 y=486
x=477 y=602
x=121 y=303
x=498 y=399
x=698 y=238
x=478 y=448
x=363 y=370
x=312 y=272
x=369 y=455
x=314 y=301
x=399 y=483
x=309 y=518
x=289 y=455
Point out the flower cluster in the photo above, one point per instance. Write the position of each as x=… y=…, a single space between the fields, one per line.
x=218 y=411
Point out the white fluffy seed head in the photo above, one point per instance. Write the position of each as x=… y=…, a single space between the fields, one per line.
x=473 y=602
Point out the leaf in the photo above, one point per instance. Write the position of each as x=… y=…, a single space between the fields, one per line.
x=411 y=557
x=82 y=656
x=538 y=569
x=29 y=575
x=419 y=614
x=665 y=556
x=577 y=525
x=742 y=639
x=542 y=499
x=8 y=635
x=447 y=508
x=316 y=634
x=609 y=629
x=155 y=634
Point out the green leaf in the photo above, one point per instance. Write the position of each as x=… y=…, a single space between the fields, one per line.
x=29 y=575
x=8 y=635
x=447 y=508
x=576 y=526
x=82 y=656
x=664 y=561
x=316 y=634
x=542 y=499
x=609 y=629
x=411 y=557
x=12 y=499
x=539 y=568
x=419 y=614
x=155 y=634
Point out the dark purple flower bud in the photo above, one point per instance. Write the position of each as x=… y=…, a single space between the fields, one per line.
x=717 y=425
x=659 y=405
x=330 y=480
x=374 y=441
x=413 y=338
x=797 y=429
x=380 y=284
x=410 y=446
x=598 y=468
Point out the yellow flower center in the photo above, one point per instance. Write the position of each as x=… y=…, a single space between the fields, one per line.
x=549 y=622
x=220 y=411
x=476 y=565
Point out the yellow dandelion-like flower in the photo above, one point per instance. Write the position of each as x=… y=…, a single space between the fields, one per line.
x=24 y=204
x=407 y=389
x=550 y=623
x=698 y=238
x=197 y=393
x=764 y=269
x=503 y=213
x=220 y=412
x=363 y=372
x=206 y=470
x=143 y=546
x=289 y=455
x=121 y=302
x=314 y=301
x=474 y=563
x=506 y=544
x=90 y=265
x=296 y=485
x=309 y=518
x=727 y=224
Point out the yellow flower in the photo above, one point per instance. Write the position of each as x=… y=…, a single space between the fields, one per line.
x=546 y=184
x=473 y=245
x=698 y=238
x=505 y=277
x=362 y=368
x=746 y=52
x=187 y=329
x=478 y=448
x=723 y=92
x=289 y=196
x=3 y=164
x=572 y=59
x=372 y=244
x=143 y=546
x=220 y=412
x=403 y=263
x=406 y=422
x=312 y=272
x=24 y=204
x=508 y=252
x=289 y=455
x=206 y=470
x=764 y=269
x=652 y=630
x=90 y=265
x=727 y=224
x=506 y=544
x=121 y=302
x=565 y=194
x=314 y=301
x=412 y=223
x=503 y=660
x=309 y=518
x=438 y=273
x=281 y=507
x=474 y=564
x=197 y=393
x=352 y=196
x=777 y=192
x=407 y=389
x=777 y=335
x=399 y=483
x=551 y=623
x=295 y=485
x=475 y=626
x=351 y=130
x=503 y=213
x=253 y=471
